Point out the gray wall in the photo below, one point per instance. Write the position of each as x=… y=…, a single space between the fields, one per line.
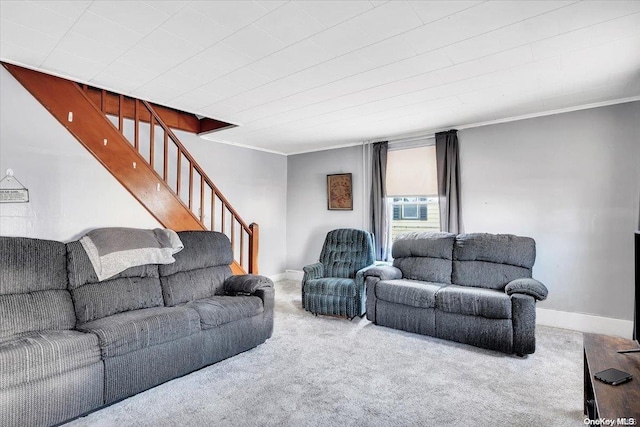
x=571 y=181
x=308 y=219
x=255 y=183
x=72 y=193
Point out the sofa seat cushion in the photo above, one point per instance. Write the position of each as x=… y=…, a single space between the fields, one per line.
x=487 y=303
x=33 y=356
x=337 y=286
x=414 y=293
x=126 y=332
x=218 y=310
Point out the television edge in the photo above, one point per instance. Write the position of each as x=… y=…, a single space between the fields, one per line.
x=636 y=320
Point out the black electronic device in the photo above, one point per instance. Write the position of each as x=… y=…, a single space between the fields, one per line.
x=613 y=376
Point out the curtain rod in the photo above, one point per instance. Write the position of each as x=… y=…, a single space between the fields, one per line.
x=402 y=140
x=410 y=139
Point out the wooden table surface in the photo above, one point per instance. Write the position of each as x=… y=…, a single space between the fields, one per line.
x=620 y=401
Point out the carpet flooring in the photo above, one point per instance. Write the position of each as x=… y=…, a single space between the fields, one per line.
x=327 y=371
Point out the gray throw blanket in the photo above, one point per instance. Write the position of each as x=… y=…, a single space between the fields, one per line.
x=113 y=250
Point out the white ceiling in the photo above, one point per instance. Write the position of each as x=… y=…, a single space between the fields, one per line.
x=299 y=75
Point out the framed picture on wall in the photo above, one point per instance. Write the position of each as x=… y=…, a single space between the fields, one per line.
x=339 y=192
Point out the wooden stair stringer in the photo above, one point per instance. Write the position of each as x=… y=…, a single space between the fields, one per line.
x=68 y=103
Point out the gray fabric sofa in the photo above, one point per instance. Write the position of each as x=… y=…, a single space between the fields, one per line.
x=70 y=344
x=471 y=288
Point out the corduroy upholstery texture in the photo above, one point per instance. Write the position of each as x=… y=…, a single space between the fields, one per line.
x=70 y=344
x=371 y=300
x=133 y=289
x=126 y=332
x=492 y=260
x=474 y=302
x=218 y=310
x=131 y=373
x=33 y=356
x=408 y=292
x=193 y=292
x=236 y=337
x=35 y=311
x=342 y=287
x=33 y=295
x=200 y=270
x=39 y=353
x=31 y=265
x=492 y=334
x=424 y=256
x=54 y=399
x=484 y=297
x=345 y=251
x=246 y=284
x=528 y=287
x=524 y=323
x=406 y=317
x=335 y=284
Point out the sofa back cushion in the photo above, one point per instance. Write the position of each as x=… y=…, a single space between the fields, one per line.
x=345 y=251
x=200 y=268
x=132 y=289
x=424 y=256
x=33 y=286
x=492 y=260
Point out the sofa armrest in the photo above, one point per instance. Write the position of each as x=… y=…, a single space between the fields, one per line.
x=313 y=271
x=268 y=298
x=360 y=275
x=384 y=272
x=246 y=284
x=528 y=287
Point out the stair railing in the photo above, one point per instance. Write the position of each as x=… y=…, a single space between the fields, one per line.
x=161 y=149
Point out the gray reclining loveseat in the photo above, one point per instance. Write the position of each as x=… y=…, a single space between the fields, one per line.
x=471 y=288
x=70 y=344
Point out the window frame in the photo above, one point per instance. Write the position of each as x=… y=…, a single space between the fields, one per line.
x=404 y=201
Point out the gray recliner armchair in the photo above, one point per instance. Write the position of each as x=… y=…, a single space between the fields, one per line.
x=335 y=284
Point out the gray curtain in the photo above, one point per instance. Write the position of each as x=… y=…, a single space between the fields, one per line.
x=448 y=166
x=379 y=220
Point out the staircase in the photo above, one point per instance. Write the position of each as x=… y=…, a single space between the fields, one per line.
x=131 y=140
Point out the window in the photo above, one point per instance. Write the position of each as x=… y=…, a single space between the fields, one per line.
x=417 y=214
x=412 y=190
x=410 y=208
x=410 y=211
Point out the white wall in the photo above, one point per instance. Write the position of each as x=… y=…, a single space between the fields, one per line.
x=308 y=219
x=71 y=192
x=572 y=182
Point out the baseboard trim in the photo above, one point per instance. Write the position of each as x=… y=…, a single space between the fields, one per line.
x=584 y=322
x=555 y=318
x=294 y=275
x=278 y=277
